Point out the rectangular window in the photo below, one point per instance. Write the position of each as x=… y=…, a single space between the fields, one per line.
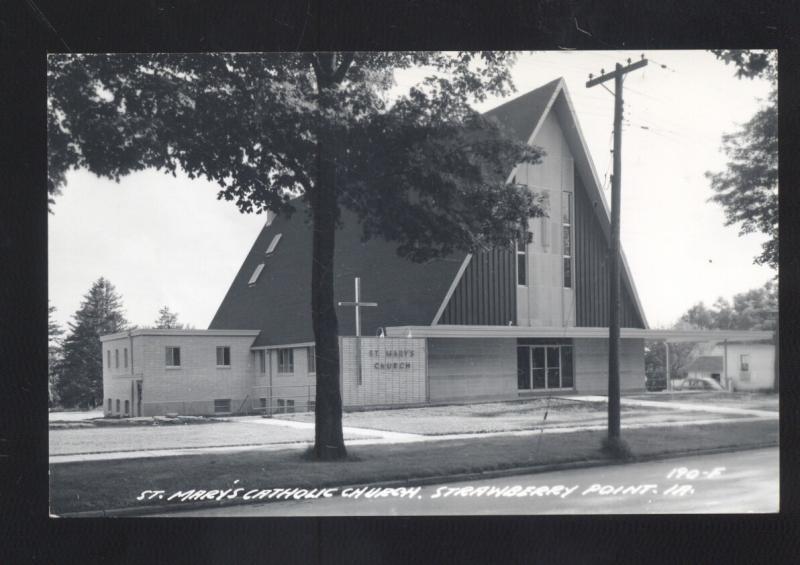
x=744 y=362
x=281 y=406
x=522 y=259
x=223 y=356
x=524 y=367
x=273 y=244
x=256 y=274
x=290 y=406
x=222 y=405
x=127 y=407
x=567 y=379
x=566 y=236
x=312 y=359
x=286 y=361
x=544 y=367
x=126 y=357
x=173 y=357
x=117 y=405
x=262 y=402
x=109 y=405
x=262 y=361
x=312 y=404
x=108 y=358
x=116 y=358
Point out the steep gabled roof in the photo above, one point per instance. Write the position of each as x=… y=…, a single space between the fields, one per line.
x=522 y=114
x=408 y=294
x=280 y=300
x=535 y=106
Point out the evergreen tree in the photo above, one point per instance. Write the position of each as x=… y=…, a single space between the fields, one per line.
x=80 y=371
x=54 y=344
x=167 y=320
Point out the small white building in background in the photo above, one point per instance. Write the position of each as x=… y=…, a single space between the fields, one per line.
x=737 y=365
x=748 y=365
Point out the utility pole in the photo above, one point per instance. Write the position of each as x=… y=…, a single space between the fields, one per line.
x=614 y=298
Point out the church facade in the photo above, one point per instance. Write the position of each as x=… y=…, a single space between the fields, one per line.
x=505 y=324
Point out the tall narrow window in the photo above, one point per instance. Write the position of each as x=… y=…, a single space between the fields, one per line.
x=312 y=359
x=223 y=356
x=522 y=259
x=173 y=357
x=285 y=361
x=256 y=274
x=126 y=357
x=274 y=243
x=566 y=240
x=116 y=358
x=744 y=362
x=262 y=360
x=108 y=358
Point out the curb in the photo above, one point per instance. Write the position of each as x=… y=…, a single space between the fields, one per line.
x=423 y=481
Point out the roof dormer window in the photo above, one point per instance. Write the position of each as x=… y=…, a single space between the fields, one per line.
x=273 y=244
x=256 y=274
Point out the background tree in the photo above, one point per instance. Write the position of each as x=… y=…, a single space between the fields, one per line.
x=310 y=130
x=754 y=309
x=167 y=320
x=54 y=342
x=748 y=188
x=80 y=371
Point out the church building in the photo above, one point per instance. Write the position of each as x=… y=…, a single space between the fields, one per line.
x=499 y=325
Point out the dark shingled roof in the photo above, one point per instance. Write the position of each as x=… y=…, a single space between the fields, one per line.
x=279 y=303
x=705 y=364
x=522 y=114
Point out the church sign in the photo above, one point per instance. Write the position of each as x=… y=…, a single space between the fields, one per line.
x=383 y=370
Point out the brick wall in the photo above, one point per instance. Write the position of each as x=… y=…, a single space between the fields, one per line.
x=591 y=365
x=297 y=386
x=392 y=371
x=117 y=377
x=460 y=369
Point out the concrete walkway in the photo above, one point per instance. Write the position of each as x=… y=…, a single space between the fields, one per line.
x=380 y=437
x=688 y=406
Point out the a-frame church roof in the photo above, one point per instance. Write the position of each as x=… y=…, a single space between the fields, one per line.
x=407 y=293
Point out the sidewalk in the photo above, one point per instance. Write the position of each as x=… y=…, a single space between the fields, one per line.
x=368 y=436
x=688 y=406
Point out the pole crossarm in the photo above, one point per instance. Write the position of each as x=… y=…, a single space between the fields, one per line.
x=613 y=74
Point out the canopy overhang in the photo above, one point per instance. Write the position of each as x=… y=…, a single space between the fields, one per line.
x=478 y=332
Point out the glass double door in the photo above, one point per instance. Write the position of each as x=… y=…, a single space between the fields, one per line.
x=542 y=367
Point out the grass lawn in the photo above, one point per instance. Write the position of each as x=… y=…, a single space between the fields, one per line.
x=509 y=416
x=105 y=485
x=134 y=438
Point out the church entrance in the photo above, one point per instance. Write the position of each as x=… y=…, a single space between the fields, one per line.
x=546 y=366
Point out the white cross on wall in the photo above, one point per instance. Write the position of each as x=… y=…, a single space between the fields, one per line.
x=358 y=305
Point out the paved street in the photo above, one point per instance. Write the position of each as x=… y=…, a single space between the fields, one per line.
x=745 y=481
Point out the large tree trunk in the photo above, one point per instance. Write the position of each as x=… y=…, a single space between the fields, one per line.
x=328 y=438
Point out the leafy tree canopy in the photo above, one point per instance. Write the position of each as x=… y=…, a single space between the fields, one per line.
x=748 y=188
x=755 y=309
x=424 y=170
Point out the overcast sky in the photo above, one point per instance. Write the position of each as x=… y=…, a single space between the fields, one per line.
x=169 y=241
